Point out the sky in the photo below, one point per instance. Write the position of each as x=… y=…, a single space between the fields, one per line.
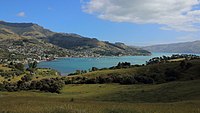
x=133 y=22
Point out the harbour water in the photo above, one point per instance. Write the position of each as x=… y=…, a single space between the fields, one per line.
x=69 y=65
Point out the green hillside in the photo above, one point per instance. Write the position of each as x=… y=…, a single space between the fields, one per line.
x=175 y=97
x=71 y=45
x=26 y=29
x=150 y=74
x=174 y=87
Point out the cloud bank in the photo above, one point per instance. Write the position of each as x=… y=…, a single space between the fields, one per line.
x=179 y=15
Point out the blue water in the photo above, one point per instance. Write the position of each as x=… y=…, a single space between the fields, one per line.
x=69 y=65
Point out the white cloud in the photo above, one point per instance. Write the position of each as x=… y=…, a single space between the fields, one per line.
x=21 y=14
x=179 y=15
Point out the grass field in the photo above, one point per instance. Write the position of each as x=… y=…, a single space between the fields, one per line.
x=4 y=68
x=174 y=97
x=182 y=96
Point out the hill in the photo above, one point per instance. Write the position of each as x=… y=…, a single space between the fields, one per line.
x=186 y=47
x=156 y=73
x=174 y=95
x=27 y=35
x=26 y=29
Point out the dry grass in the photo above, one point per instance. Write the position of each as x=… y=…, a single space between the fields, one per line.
x=176 y=60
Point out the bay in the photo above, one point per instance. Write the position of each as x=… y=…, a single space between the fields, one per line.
x=69 y=65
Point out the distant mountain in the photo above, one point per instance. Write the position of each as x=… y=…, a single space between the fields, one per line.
x=186 y=47
x=28 y=38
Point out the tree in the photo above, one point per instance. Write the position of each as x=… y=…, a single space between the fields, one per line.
x=171 y=74
x=78 y=72
x=26 y=78
x=94 y=68
x=182 y=64
x=52 y=85
x=119 y=65
x=188 y=65
x=128 y=80
x=19 y=66
x=32 y=65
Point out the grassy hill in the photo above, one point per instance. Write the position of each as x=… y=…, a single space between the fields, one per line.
x=178 y=96
x=92 y=45
x=175 y=97
x=70 y=42
x=26 y=29
x=160 y=72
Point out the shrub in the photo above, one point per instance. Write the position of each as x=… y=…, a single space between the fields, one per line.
x=128 y=80
x=171 y=74
x=52 y=85
x=26 y=78
x=188 y=65
x=90 y=81
x=19 y=66
x=144 y=79
x=182 y=64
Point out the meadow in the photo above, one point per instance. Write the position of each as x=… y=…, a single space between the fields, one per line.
x=179 y=96
x=174 y=97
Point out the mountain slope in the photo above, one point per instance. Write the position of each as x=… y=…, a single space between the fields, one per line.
x=71 y=45
x=186 y=47
x=26 y=29
x=92 y=45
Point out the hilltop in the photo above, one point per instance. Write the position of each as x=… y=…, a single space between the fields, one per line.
x=34 y=40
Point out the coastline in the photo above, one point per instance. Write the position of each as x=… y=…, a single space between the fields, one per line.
x=39 y=61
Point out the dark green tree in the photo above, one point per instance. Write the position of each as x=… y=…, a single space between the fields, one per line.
x=182 y=64
x=19 y=66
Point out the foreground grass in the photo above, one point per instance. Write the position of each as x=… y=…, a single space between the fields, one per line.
x=174 y=97
x=40 y=105
x=4 y=68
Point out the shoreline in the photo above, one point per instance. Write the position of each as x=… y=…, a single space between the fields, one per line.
x=66 y=74
x=67 y=70
x=90 y=57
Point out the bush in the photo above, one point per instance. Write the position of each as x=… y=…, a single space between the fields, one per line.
x=90 y=81
x=182 y=64
x=188 y=65
x=144 y=79
x=19 y=66
x=157 y=77
x=171 y=74
x=26 y=78
x=128 y=80
x=52 y=85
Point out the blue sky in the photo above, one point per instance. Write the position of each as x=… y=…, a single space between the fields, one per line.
x=104 y=21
